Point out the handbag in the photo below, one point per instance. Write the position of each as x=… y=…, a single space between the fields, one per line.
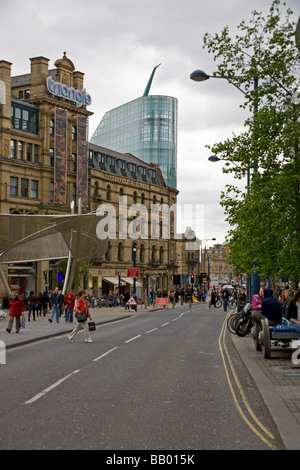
x=92 y=326
x=80 y=317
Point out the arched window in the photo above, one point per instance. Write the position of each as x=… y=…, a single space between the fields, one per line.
x=134 y=197
x=74 y=133
x=143 y=198
x=108 y=193
x=120 y=252
x=153 y=254
x=51 y=126
x=142 y=254
x=161 y=255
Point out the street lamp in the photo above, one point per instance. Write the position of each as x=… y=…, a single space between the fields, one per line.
x=200 y=76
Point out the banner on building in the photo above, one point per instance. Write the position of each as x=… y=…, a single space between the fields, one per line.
x=82 y=160
x=60 y=156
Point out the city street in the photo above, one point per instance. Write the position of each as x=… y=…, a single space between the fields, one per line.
x=161 y=380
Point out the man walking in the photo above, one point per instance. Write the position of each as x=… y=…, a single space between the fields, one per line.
x=55 y=302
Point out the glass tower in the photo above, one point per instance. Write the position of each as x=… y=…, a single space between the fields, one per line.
x=145 y=127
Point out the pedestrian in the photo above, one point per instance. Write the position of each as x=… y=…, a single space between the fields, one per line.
x=16 y=308
x=31 y=305
x=293 y=311
x=115 y=299
x=287 y=295
x=70 y=298
x=270 y=309
x=39 y=304
x=256 y=299
x=55 y=303
x=225 y=297
x=126 y=298
x=81 y=307
x=242 y=299
x=45 y=301
x=213 y=298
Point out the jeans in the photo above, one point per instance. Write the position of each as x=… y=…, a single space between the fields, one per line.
x=55 y=310
x=225 y=303
x=115 y=302
x=31 y=308
x=69 y=315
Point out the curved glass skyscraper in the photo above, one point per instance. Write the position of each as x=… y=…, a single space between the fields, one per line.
x=145 y=127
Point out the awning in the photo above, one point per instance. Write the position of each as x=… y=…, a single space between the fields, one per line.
x=113 y=280
x=129 y=280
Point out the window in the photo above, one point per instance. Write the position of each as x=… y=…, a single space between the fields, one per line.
x=74 y=162
x=108 y=193
x=24 y=187
x=122 y=165
x=52 y=127
x=133 y=170
x=51 y=152
x=153 y=254
x=91 y=159
x=29 y=152
x=13 y=147
x=36 y=154
x=161 y=255
x=112 y=164
x=153 y=176
x=142 y=254
x=96 y=189
x=25 y=119
x=143 y=198
x=13 y=186
x=34 y=189
x=74 y=133
x=143 y=173
x=120 y=252
x=135 y=197
x=20 y=151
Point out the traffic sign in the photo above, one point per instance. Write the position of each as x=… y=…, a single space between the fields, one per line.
x=131 y=301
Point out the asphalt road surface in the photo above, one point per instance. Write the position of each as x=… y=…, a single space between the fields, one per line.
x=164 y=380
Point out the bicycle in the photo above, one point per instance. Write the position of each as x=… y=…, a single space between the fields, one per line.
x=245 y=324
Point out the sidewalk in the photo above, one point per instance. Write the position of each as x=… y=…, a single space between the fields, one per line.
x=42 y=328
x=278 y=382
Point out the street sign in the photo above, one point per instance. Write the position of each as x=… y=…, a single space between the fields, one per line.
x=161 y=301
x=133 y=272
x=131 y=301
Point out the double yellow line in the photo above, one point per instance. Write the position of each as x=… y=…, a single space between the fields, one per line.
x=258 y=428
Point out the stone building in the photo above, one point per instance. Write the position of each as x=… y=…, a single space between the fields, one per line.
x=46 y=162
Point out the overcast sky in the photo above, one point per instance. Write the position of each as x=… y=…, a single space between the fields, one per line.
x=116 y=44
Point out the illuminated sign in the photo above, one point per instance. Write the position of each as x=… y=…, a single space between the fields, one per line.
x=80 y=97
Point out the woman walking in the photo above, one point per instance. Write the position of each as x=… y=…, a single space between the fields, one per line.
x=81 y=308
x=16 y=308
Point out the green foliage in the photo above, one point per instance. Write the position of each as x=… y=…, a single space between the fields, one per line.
x=265 y=217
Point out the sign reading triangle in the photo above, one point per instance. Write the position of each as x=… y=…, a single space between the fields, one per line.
x=131 y=301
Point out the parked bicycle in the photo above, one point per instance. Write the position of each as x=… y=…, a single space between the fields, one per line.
x=241 y=323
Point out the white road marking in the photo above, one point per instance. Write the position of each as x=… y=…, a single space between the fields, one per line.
x=105 y=354
x=132 y=339
x=150 y=331
x=48 y=389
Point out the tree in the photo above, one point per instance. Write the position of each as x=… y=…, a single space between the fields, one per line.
x=265 y=218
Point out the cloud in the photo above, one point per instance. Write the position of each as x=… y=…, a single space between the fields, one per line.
x=116 y=43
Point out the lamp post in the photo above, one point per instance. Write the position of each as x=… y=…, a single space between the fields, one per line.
x=200 y=76
x=134 y=245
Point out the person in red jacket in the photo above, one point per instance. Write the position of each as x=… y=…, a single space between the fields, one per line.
x=70 y=301
x=81 y=306
x=16 y=308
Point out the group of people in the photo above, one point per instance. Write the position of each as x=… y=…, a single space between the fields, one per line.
x=57 y=300
x=287 y=305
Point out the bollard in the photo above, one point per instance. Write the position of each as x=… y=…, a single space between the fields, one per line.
x=2 y=353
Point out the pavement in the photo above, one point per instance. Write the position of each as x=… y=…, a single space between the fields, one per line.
x=277 y=379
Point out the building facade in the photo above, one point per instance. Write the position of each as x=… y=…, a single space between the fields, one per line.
x=145 y=127
x=46 y=162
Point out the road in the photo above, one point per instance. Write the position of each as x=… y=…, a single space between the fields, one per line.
x=162 y=380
